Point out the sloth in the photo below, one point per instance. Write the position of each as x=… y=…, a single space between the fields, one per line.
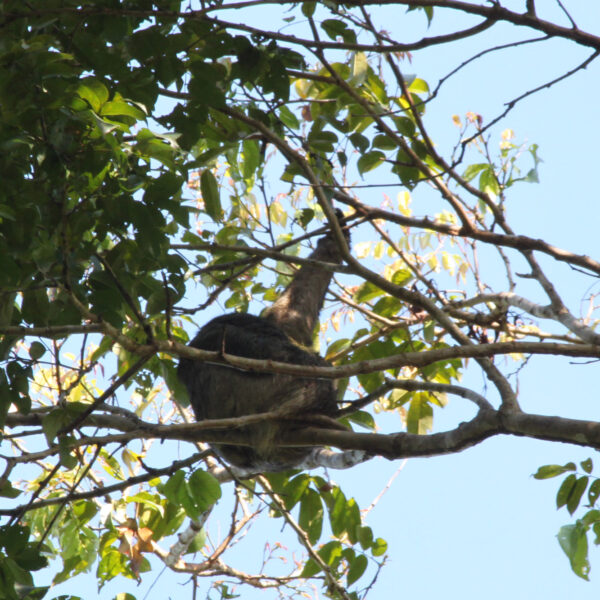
x=284 y=333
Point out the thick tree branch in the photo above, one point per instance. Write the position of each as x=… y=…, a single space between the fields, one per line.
x=52 y=331
x=485 y=424
x=496 y=12
x=261 y=252
x=412 y=359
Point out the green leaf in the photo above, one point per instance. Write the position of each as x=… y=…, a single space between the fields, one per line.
x=473 y=170
x=357 y=568
x=337 y=512
x=288 y=118
x=31 y=592
x=172 y=486
x=379 y=547
x=14 y=538
x=111 y=465
x=120 y=108
x=205 y=489
x=404 y=126
x=112 y=563
x=6 y=212
x=587 y=465
x=573 y=541
x=367 y=291
x=308 y=8
x=594 y=492
x=402 y=277
x=591 y=517
x=360 y=68
x=548 y=471
x=418 y=86
x=210 y=194
x=7 y=300
x=8 y=491
x=205 y=86
x=336 y=28
x=251 y=158
x=596 y=529
x=30 y=559
x=147 y=499
x=365 y=536
x=323 y=141
x=340 y=345
x=428 y=10
x=532 y=176
x=311 y=515
x=160 y=147
x=420 y=415
x=85 y=510
x=311 y=568
x=94 y=92
x=67 y=459
x=576 y=494
x=35 y=306
x=364 y=419
x=429 y=331
x=331 y=553
x=294 y=490
x=352 y=520
x=384 y=142
x=196 y=495
x=36 y=350
x=197 y=543
x=488 y=182
x=369 y=161
x=565 y=489
x=359 y=141
x=54 y=422
x=18 y=575
x=178 y=389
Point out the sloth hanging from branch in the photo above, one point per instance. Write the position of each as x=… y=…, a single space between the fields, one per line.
x=283 y=333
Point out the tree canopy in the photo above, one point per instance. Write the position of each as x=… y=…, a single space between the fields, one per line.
x=164 y=162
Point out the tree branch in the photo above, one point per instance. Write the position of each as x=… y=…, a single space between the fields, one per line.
x=106 y=490
x=497 y=13
x=485 y=424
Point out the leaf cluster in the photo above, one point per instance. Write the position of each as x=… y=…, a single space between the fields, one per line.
x=573 y=538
